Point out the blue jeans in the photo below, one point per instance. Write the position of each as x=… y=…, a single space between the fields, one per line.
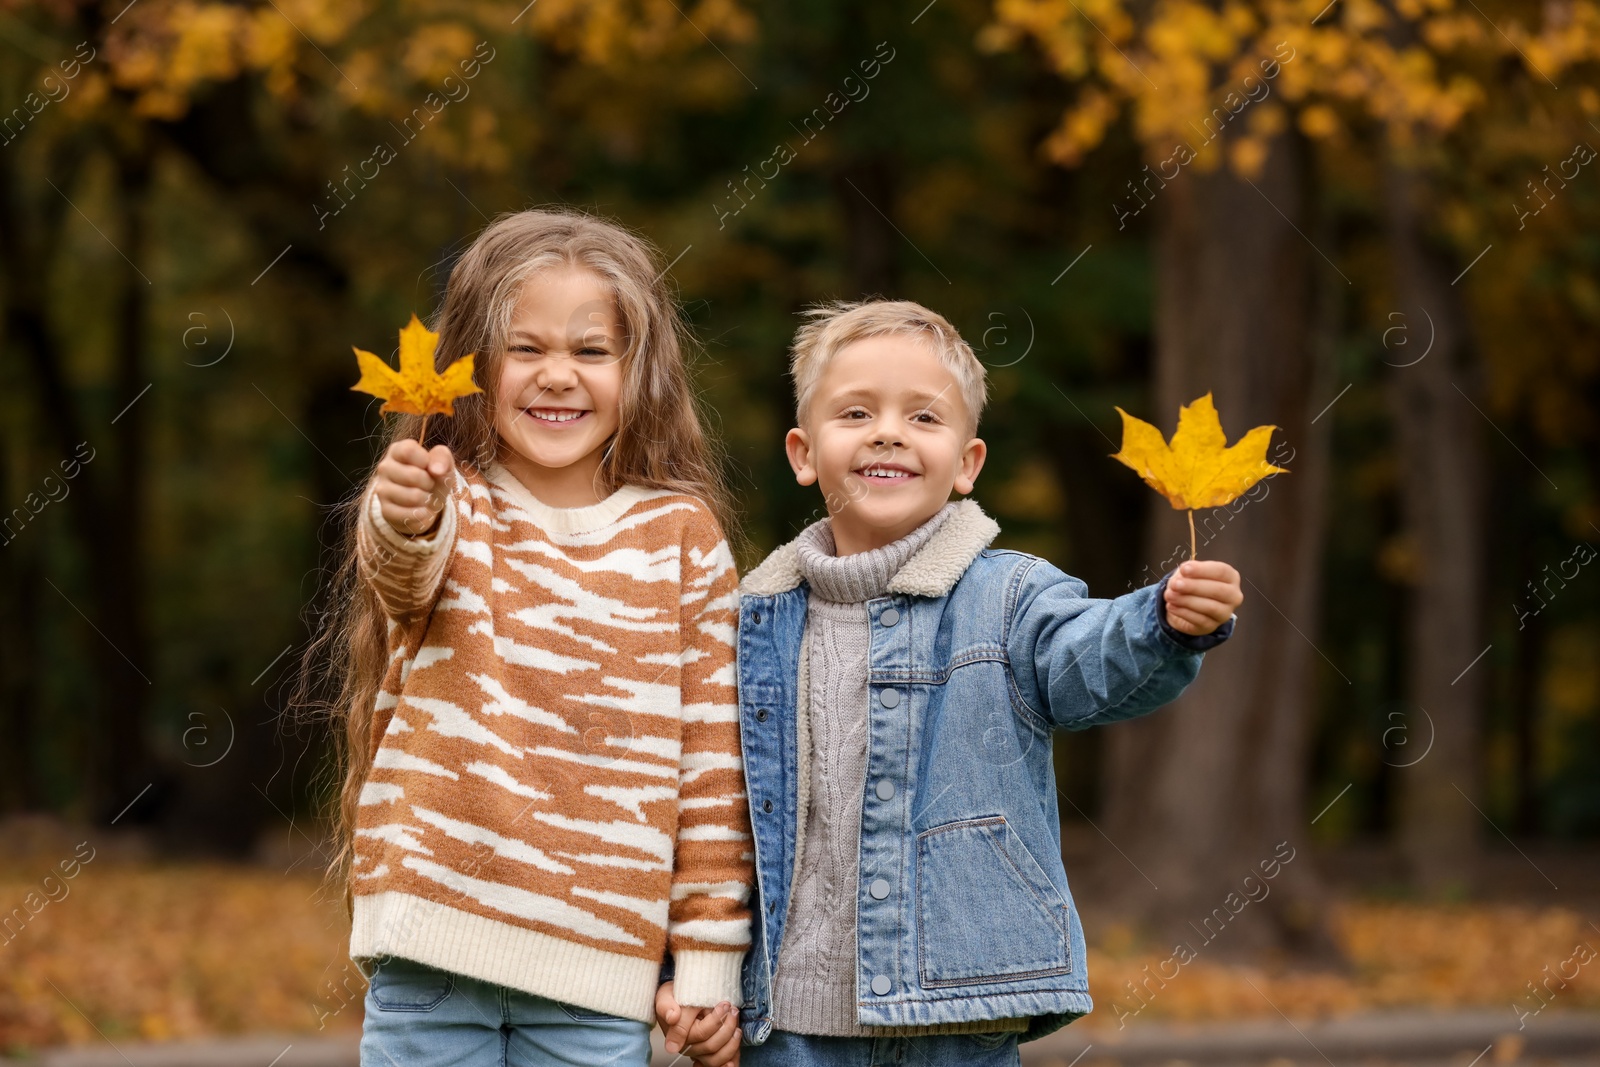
x=420 y=1016
x=783 y=1049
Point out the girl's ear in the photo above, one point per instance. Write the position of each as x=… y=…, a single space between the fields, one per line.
x=797 y=444
x=972 y=458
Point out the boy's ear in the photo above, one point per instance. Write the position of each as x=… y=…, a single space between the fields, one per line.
x=972 y=457
x=797 y=444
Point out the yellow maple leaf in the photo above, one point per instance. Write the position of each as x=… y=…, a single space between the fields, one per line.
x=1199 y=469
x=416 y=388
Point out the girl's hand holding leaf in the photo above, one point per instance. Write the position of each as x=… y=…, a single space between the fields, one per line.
x=412 y=483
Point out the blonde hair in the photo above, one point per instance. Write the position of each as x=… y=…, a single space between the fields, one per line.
x=659 y=444
x=834 y=325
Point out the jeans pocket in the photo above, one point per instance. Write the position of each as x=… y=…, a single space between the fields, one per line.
x=585 y=1015
x=405 y=985
x=992 y=1040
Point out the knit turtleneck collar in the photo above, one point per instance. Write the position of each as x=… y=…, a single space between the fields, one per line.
x=863 y=575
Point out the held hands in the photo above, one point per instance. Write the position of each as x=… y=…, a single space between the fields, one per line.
x=1201 y=596
x=709 y=1036
x=412 y=483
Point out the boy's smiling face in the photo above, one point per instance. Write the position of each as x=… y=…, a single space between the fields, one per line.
x=886 y=436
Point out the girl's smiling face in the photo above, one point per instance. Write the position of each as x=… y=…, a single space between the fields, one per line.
x=560 y=385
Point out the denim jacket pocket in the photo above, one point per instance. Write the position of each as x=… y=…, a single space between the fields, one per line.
x=986 y=912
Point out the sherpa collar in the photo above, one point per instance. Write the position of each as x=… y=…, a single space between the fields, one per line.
x=931 y=571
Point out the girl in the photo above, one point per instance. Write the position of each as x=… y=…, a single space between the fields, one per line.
x=542 y=789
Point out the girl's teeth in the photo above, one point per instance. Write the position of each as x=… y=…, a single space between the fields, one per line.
x=565 y=416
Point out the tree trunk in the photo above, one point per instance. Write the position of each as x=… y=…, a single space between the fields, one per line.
x=1102 y=553
x=19 y=663
x=864 y=187
x=104 y=509
x=1437 y=440
x=123 y=761
x=1201 y=794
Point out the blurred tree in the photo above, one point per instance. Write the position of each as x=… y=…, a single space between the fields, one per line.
x=123 y=107
x=1205 y=791
x=109 y=509
x=270 y=221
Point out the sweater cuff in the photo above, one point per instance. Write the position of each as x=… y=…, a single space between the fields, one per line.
x=418 y=546
x=1188 y=642
x=704 y=979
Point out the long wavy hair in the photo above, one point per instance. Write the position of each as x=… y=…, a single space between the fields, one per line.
x=659 y=444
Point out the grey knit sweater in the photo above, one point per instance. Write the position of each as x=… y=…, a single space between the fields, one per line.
x=814 y=987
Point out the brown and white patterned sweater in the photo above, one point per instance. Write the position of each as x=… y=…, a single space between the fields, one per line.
x=557 y=796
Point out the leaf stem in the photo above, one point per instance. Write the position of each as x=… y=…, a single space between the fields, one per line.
x=1191 y=533
x=422 y=437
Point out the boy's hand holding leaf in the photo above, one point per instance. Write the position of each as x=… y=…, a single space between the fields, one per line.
x=1201 y=596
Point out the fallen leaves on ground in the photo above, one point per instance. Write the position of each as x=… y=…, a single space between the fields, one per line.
x=151 y=952
x=141 y=951
x=1432 y=956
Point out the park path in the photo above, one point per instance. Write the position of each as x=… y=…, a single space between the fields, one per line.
x=1415 y=1039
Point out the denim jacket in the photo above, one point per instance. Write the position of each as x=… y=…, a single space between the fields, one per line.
x=976 y=657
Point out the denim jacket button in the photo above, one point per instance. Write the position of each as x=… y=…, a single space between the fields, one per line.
x=766 y=805
x=880 y=985
x=889 y=616
x=761 y=715
x=880 y=889
x=885 y=790
x=889 y=698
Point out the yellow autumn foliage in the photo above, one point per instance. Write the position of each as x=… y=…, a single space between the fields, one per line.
x=165 y=52
x=1413 y=69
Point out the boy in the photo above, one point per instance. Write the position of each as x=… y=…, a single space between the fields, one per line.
x=898 y=685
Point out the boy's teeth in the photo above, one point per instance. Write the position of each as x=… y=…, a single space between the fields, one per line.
x=877 y=473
